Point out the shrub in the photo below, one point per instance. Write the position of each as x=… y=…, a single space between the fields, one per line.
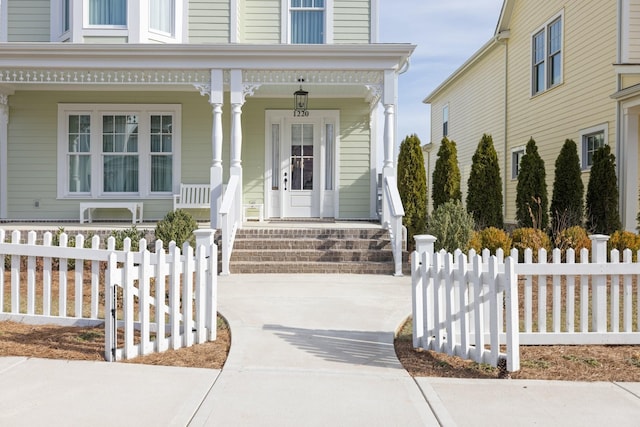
x=178 y=226
x=531 y=193
x=452 y=225
x=575 y=237
x=622 y=240
x=602 y=194
x=133 y=233
x=491 y=238
x=412 y=186
x=567 y=201
x=446 y=175
x=71 y=243
x=532 y=238
x=484 y=194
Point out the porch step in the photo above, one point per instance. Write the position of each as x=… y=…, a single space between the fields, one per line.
x=312 y=250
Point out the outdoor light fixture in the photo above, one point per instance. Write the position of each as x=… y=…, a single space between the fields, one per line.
x=300 y=100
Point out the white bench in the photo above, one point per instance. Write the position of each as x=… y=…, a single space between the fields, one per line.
x=193 y=196
x=134 y=207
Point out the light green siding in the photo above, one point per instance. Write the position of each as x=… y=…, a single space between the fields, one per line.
x=261 y=22
x=351 y=21
x=28 y=21
x=209 y=21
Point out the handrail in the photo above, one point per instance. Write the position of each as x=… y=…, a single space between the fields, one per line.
x=392 y=196
x=229 y=218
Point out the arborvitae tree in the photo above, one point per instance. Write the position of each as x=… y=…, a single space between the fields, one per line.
x=446 y=175
x=531 y=197
x=602 y=194
x=412 y=185
x=484 y=194
x=567 y=200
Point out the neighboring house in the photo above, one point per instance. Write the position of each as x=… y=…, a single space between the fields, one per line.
x=554 y=70
x=118 y=100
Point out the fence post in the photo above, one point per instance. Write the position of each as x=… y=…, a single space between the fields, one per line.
x=424 y=244
x=205 y=237
x=513 y=327
x=599 y=256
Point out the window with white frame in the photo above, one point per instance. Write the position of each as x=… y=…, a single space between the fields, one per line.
x=108 y=12
x=307 y=21
x=546 y=57
x=445 y=120
x=118 y=151
x=516 y=158
x=161 y=16
x=591 y=140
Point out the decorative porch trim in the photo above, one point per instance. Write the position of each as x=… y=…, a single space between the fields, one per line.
x=133 y=77
x=286 y=77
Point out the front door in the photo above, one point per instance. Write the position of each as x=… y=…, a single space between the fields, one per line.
x=300 y=154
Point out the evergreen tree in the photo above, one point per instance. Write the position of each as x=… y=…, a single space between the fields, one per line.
x=567 y=200
x=531 y=196
x=446 y=175
x=412 y=186
x=484 y=194
x=602 y=194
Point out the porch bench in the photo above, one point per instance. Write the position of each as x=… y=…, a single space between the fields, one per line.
x=193 y=196
x=134 y=207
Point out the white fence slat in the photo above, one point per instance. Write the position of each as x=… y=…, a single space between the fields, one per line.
x=451 y=323
x=161 y=277
x=570 y=256
x=46 y=277
x=174 y=297
x=463 y=307
x=212 y=288
x=528 y=294
x=95 y=279
x=31 y=276
x=599 y=285
x=78 y=277
x=628 y=294
x=187 y=294
x=615 y=294
x=417 y=309
x=129 y=276
x=427 y=299
x=542 y=292
x=557 y=294
x=62 y=278
x=492 y=279
x=201 y=293
x=15 y=276
x=144 y=287
x=584 y=292
x=511 y=305
x=478 y=310
x=110 y=341
x=437 y=300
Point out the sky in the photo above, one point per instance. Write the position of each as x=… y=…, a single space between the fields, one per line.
x=447 y=33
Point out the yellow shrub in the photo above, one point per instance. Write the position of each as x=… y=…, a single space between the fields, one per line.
x=491 y=238
x=622 y=240
x=532 y=238
x=574 y=237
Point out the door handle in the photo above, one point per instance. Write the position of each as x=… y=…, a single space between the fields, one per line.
x=285 y=181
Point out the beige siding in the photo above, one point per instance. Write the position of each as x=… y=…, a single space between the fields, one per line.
x=476 y=106
x=581 y=101
x=261 y=22
x=28 y=21
x=209 y=21
x=631 y=51
x=351 y=19
x=629 y=80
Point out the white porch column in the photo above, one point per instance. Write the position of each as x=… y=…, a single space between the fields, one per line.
x=4 y=142
x=216 y=173
x=237 y=100
x=389 y=100
x=628 y=162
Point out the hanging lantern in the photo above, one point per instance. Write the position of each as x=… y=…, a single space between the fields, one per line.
x=300 y=101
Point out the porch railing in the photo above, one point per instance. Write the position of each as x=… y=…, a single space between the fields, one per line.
x=394 y=224
x=230 y=218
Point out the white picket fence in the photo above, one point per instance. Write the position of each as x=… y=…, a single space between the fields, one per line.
x=471 y=305
x=127 y=290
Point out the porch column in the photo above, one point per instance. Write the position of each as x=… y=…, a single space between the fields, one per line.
x=216 y=101
x=628 y=163
x=237 y=100
x=389 y=100
x=4 y=142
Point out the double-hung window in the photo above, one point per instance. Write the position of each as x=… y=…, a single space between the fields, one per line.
x=118 y=151
x=591 y=140
x=108 y=12
x=516 y=157
x=307 y=21
x=161 y=16
x=546 y=60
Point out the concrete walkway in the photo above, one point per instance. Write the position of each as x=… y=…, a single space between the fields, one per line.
x=307 y=350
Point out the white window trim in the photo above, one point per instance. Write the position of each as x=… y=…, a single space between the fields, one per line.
x=96 y=111
x=545 y=28
x=604 y=127
x=521 y=149
x=285 y=22
x=4 y=19
x=137 y=29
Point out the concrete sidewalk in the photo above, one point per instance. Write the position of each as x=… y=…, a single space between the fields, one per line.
x=307 y=350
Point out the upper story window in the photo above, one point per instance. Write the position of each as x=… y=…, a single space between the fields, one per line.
x=161 y=16
x=108 y=12
x=546 y=58
x=307 y=21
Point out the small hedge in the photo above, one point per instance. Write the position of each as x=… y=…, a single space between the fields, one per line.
x=532 y=238
x=491 y=238
x=452 y=226
x=622 y=240
x=177 y=226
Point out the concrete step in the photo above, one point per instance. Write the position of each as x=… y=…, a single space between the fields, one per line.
x=307 y=244
x=320 y=256
x=247 y=267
